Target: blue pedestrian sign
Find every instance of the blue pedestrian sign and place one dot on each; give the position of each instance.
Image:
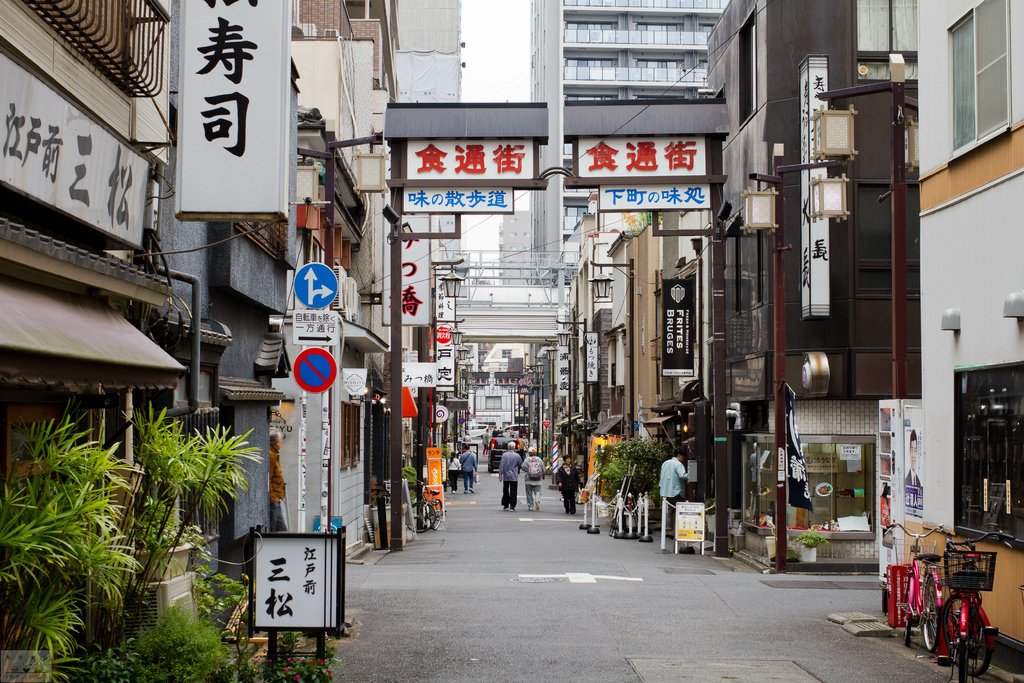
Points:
(316, 285)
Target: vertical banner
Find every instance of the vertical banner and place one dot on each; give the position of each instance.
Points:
(234, 110)
(563, 372)
(416, 304)
(303, 448)
(325, 464)
(444, 305)
(678, 304)
(436, 472)
(590, 342)
(814, 234)
(799, 487)
(444, 356)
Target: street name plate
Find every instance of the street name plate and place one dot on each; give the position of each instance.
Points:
(316, 328)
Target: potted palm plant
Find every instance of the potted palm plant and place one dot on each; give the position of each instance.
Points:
(809, 542)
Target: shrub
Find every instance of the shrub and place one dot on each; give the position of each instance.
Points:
(297, 670)
(111, 665)
(811, 539)
(179, 648)
(646, 457)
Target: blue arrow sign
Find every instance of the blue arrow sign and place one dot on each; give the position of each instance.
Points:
(316, 285)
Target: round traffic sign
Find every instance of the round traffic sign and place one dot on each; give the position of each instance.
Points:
(316, 285)
(315, 370)
(444, 334)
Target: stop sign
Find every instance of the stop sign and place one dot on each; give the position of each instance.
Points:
(546, 424)
(444, 335)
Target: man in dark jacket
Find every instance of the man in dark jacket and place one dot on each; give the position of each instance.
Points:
(508, 473)
(568, 480)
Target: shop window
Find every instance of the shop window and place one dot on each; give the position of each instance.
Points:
(748, 69)
(874, 240)
(350, 430)
(989, 457)
(841, 475)
(492, 402)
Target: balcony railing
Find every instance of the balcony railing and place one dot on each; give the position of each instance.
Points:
(634, 74)
(124, 39)
(270, 237)
(649, 4)
(622, 37)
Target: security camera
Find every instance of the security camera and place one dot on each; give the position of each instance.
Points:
(390, 215)
(725, 211)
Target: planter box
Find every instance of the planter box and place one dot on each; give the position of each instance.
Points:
(172, 565)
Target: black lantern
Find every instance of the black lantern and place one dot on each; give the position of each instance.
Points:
(602, 285)
(563, 338)
(452, 285)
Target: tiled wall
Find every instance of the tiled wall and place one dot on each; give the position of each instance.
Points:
(835, 418)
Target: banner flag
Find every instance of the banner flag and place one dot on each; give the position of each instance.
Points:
(799, 487)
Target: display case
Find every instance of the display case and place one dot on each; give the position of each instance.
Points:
(840, 471)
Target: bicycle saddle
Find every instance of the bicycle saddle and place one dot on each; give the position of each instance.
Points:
(930, 558)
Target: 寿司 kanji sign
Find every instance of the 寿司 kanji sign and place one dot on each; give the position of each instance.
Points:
(473, 160)
(641, 157)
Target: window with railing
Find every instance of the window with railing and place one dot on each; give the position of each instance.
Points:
(649, 4)
(270, 237)
(124, 39)
(698, 39)
(633, 74)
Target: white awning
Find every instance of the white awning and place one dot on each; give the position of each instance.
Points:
(362, 339)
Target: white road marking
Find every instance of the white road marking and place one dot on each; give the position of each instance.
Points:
(531, 519)
(578, 577)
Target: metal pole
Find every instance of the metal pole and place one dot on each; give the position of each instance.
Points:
(898, 210)
(632, 349)
(779, 373)
(717, 370)
(397, 535)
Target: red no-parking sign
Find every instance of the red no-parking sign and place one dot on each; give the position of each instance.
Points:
(315, 370)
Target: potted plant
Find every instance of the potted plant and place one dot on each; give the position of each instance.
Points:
(809, 542)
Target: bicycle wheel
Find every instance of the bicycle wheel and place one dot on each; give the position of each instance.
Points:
(930, 614)
(912, 616)
(976, 656)
(422, 513)
(435, 516)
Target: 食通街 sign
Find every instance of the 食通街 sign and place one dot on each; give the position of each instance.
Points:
(679, 325)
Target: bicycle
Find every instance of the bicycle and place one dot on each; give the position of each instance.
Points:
(429, 510)
(970, 637)
(923, 599)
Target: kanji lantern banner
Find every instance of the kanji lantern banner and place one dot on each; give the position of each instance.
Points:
(449, 200)
(416, 302)
(626, 198)
(470, 160)
(444, 354)
(563, 371)
(652, 157)
(234, 110)
(815, 295)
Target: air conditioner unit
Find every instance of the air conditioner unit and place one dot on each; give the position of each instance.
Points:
(351, 298)
(339, 299)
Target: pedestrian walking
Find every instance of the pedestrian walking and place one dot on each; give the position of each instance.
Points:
(672, 485)
(454, 472)
(468, 462)
(278, 517)
(568, 480)
(508, 473)
(534, 468)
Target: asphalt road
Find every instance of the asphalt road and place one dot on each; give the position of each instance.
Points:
(455, 606)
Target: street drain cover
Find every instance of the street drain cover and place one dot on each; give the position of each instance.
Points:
(705, 671)
(536, 579)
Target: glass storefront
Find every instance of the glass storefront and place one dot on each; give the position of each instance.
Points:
(841, 472)
(989, 462)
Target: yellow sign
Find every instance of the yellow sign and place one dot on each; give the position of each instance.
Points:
(605, 441)
(433, 454)
(435, 472)
(689, 521)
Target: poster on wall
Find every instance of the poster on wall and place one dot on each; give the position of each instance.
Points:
(913, 489)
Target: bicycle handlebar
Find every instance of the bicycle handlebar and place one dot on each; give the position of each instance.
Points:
(997, 535)
(908, 532)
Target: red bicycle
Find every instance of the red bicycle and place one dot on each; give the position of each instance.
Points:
(970, 637)
(923, 598)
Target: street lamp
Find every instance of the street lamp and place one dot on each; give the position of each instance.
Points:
(778, 307)
(456, 337)
(832, 134)
(564, 338)
(452, 285)
(828, 197)
(602, 285)
(463, 353)
(759, 210)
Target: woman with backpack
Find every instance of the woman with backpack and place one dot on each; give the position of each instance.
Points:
(534, 468)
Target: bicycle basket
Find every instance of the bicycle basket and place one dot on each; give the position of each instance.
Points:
(969, 570)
